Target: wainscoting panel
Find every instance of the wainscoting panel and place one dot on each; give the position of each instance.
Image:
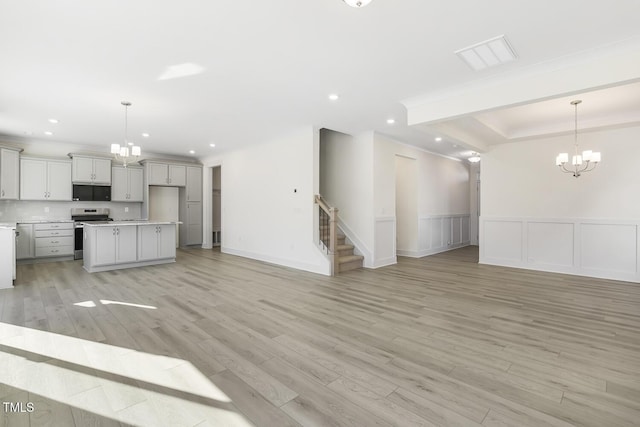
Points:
(502, 240)
(440, 233)
(609, 247)
(597, 248)
(385, 241)
(550, 243)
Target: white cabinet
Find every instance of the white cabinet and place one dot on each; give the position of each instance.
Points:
(91, 170)
(113, 245)
(127, 185)
(9, 174)
(25, 248)
(53, 239)
(167, 174)
(42, 179)
(194, 224)
(7, 257)
(194, 184)
(156, 242)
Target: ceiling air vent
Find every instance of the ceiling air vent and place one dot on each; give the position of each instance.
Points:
(488, 53)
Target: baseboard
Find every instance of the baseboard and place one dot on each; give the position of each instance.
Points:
(312, 268)
(427, 252)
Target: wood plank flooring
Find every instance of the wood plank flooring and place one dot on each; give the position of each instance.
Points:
(216, 339)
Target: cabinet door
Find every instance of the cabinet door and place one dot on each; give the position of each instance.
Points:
(167, 241)
(59, 180)
(119, 185)
(82, 170)
(9, 166)
(194, 224)
(24, 241)
(135, 185)
(194, 184)
(104, 250)
(177, 175)
(148, 242)
(158, 174)
(33, 179)
(102, 171)
(126, 248)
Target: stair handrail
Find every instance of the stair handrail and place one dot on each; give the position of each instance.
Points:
(328, 230)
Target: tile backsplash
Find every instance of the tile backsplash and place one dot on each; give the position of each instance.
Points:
(20, 210)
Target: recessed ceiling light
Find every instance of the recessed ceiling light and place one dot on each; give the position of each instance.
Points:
(48, 133)
(212, 145)
(192, 152)
(334, 97)
(145, 135)
(390, 121)
(438, 139)
(54, 121)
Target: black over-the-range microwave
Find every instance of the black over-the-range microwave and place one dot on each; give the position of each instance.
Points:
(92, 193)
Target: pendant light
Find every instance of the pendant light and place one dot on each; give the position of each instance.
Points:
(123, 153)
(585, 162)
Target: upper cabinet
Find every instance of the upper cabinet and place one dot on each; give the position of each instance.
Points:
(91, 170)
(167, 174)
(194, 184)
(9, 174)
(127, 184)
(43, 179)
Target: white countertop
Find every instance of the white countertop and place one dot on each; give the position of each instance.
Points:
(41, 221)
(9, 225)
(129, 222)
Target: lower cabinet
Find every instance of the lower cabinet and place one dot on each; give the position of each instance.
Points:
(25, 245)
(116, 245)
(156, 241)
(111, 247)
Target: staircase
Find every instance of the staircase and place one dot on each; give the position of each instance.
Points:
(347, 260)
(340, 253)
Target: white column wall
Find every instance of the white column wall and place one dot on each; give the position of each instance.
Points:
(268, 211)
(533, 216)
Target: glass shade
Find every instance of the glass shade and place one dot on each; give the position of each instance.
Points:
(595, 157)
(135, 150)
(562, 158)
(115, 148)
(124, 152)
(576, 160)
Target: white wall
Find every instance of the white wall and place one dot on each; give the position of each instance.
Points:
(474, 201)
(268, 211)
(346, 182)
(534, 216)
(443, 199)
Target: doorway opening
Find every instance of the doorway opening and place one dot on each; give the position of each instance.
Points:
(406, 205)
(216, 206)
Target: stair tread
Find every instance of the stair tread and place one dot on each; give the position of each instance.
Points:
(344, 247)
(349, 258)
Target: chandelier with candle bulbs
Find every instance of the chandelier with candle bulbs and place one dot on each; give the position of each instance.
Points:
(126, 152)
(585, 162)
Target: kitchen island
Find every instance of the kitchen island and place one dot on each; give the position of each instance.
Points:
(126, 244)
(7, 254)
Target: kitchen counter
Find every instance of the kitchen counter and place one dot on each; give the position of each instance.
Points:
(42, 221)
(9, 225)
(115, 245)
(128, 222)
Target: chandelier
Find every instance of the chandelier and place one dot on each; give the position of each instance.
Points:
(579, 163)
(123, 153)
(357, 3)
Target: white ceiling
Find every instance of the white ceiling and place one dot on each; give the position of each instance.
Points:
(269, 65)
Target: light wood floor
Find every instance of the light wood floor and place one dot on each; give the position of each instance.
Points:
(221, 340)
